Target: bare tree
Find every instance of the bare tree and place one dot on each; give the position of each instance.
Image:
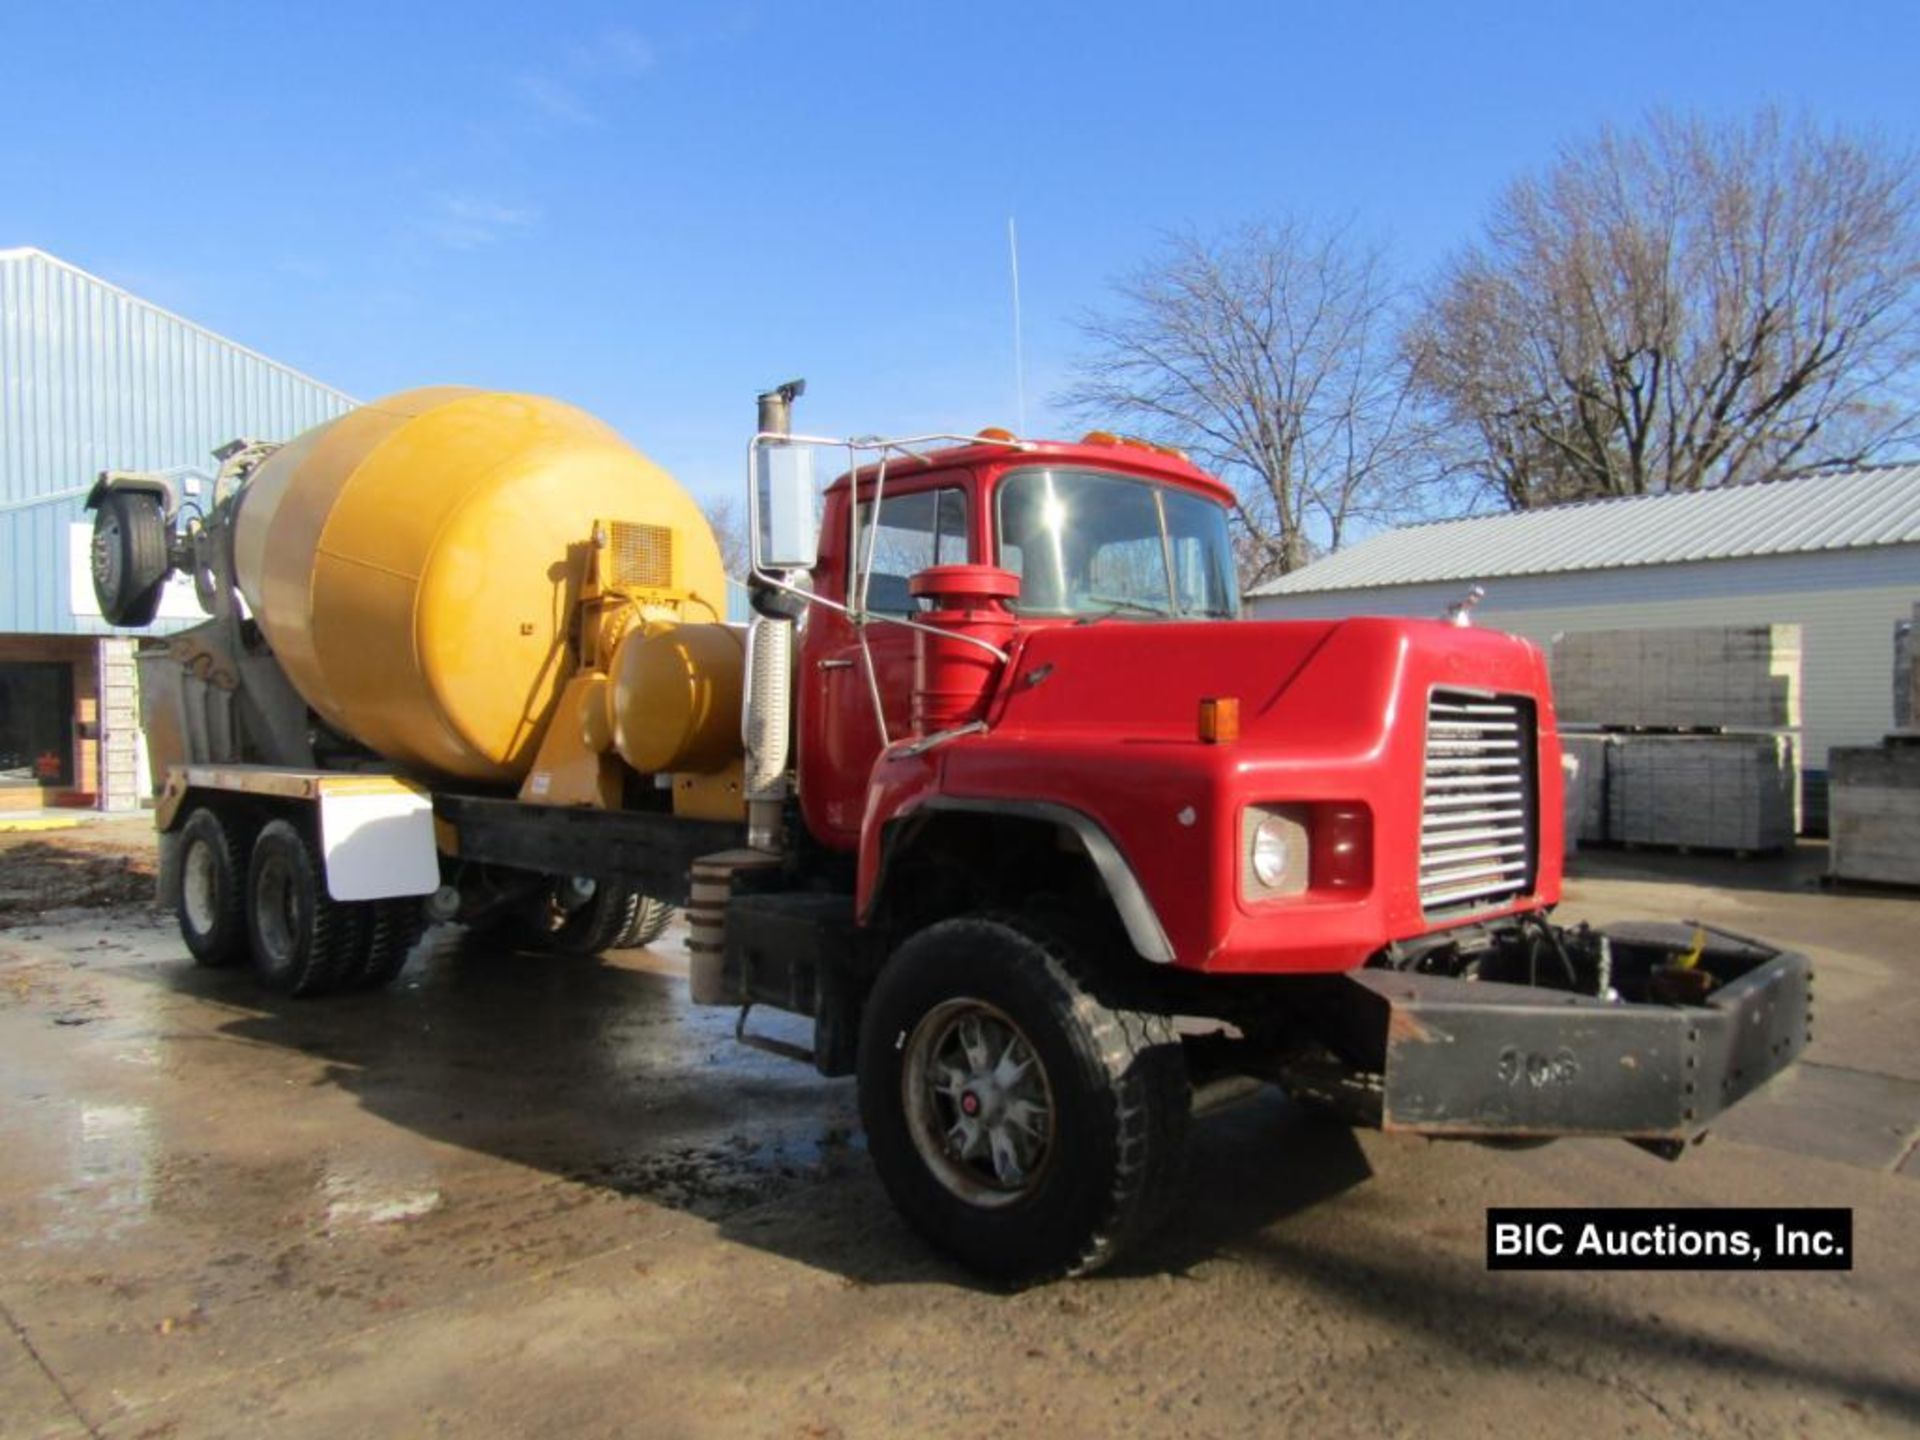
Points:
(1689, 305)
(1271, 355)
(730, 530)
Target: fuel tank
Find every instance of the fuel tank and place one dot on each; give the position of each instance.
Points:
(417, 564)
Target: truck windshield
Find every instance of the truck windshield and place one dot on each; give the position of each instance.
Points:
(1091, 544)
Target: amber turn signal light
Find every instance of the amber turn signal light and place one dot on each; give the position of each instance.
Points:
(1220, 719)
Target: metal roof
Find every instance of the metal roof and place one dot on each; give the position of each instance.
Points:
(1845, 510)
(94, 378)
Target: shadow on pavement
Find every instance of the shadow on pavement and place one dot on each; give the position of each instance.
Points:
(602, 1073)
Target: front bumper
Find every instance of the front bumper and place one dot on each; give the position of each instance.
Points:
(1485, 1060)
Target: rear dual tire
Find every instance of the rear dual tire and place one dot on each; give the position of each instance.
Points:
(651, 918)
(303, 941)
(262, 897)
(210, 889)
(612, 917)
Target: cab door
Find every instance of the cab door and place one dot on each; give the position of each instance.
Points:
(840, 726)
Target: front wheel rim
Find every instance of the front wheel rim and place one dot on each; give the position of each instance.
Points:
(979, 1103)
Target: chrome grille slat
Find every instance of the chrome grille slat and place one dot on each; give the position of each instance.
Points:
(1480, 852)
(1472, 894)
(1477, 835)
(1480, 835)
(1444, 802)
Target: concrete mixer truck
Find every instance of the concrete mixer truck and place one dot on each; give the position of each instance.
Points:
(997, 789)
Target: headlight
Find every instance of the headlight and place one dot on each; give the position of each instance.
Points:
(1270, 854)
(1274, 851)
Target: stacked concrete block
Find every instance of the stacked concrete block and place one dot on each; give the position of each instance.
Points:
(1904, 708)
(1587, 785)
(120, 739)
(1873, 808)
(1711, 792)
(1569, 805)
(1736, 677)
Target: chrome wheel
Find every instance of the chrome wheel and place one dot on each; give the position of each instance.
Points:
(978, 1102)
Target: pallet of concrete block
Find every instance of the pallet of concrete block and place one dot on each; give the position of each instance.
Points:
(1873, 813)
(1701, 792)
(1569, 805)
(1586, 785)
(1903, 677)
(1730, 677)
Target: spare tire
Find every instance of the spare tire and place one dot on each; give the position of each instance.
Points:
(129, 556)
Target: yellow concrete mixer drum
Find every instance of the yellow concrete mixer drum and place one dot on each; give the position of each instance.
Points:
(416, 565)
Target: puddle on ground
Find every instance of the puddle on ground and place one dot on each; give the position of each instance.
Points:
(353, 1200)
(111, 1185)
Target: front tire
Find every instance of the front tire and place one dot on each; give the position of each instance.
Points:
(1018, 1122)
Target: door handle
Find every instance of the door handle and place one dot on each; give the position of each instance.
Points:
(836, 664)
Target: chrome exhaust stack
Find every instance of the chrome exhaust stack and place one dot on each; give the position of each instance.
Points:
(767, 724)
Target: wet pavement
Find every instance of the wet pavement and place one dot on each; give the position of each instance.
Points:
(529, 1195)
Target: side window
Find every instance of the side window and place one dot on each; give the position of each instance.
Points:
(915, 532)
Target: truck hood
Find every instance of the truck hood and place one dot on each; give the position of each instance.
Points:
(1146, 681)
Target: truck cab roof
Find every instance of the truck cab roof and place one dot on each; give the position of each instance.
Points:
(1098, 451)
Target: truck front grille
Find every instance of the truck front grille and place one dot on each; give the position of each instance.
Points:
(1477, 831)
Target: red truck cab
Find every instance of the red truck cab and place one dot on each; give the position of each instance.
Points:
(1124, 651)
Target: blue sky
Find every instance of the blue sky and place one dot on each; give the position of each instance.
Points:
(654, 211)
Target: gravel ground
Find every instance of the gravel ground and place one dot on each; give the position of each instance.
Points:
(83, 864)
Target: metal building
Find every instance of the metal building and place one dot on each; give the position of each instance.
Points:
(93, 378)
(1837, 554)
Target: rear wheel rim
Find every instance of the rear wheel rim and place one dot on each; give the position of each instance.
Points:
(979, 1103)
(277, 902)
(199, 887)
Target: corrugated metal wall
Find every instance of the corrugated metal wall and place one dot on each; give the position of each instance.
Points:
(1846, 602)
(92, 378)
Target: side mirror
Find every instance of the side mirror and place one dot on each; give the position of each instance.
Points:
(786, 532)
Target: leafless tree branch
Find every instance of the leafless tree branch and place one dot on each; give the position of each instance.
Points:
(1687, 305)
(1270, 353)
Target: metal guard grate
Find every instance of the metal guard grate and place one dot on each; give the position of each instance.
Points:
(640, 556)
(1478, 836)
